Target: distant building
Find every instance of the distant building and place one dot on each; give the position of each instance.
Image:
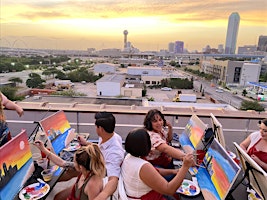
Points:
(250, 73)
(171, 47)
(110, 53)
(144, 71)
(179, 47)
(247, 49)
(7, 84)
(232, 32)
(110, 85)
(262, 43)
(104, 68)
(220, 48)
(232, 72)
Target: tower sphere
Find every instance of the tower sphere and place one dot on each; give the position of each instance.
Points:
(125, 32)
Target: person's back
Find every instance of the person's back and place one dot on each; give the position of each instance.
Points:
(134, 186)
(141, 179)
(110, 144)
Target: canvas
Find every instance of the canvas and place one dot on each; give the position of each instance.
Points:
(219, 174)
(191, 137)
(16, 165)
(58, 130)
(217, 129)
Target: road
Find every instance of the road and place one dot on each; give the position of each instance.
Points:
(224, 97)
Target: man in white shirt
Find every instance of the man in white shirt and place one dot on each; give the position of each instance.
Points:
(110, 144)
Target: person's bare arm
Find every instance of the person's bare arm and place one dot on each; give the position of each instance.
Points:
(109, 188)
(245, 143)
(166, 172)
(53, 157)
(170, 133)
(82, 141)
(150, 176)
(259, 162)
(13, 106)
(171, 151)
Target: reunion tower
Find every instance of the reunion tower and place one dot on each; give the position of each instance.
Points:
(125, 33)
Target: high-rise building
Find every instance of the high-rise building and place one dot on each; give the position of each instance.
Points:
(232, 32)
(262, 43)
(220, 48)
(179, 47)
(171, 47)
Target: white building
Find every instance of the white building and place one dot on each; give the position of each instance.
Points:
(104, 68)
(110, 85)
(250, 72)
(145, 71)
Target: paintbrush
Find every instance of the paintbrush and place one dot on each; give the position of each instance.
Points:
(200, 166)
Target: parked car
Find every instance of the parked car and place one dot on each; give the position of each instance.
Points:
(166, 89)
(219, 90)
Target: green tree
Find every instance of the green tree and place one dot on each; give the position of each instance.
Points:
(9, 92)
(244, 92)
(35, 81)
(16, 80)
(251, 105)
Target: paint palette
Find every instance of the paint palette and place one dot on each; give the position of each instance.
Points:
(188, 188)
(73, 146)
(34, 191)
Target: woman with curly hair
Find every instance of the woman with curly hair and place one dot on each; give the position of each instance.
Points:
(161, 153)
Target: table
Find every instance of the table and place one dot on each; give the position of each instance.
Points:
(37, 174)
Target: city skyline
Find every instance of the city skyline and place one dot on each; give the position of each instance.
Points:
(151, 25)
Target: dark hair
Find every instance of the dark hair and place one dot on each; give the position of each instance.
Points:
(138, 142)
(264, 121)
(150, 116)
(106, 120)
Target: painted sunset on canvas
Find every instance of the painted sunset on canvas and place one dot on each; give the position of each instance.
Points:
(221, 172)
(15, 164)
(57, 122)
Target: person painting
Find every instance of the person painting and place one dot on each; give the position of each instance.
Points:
(5, 134)
(161, 153)
(256, 145)
(140, 178)
(90, 164)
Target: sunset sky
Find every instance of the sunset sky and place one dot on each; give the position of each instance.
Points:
(152, 24)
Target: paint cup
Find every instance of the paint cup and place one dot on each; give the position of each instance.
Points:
(42, 162)
(47, 174)
(36, 156)
(200, 156)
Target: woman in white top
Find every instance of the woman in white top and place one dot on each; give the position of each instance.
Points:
(141, 179)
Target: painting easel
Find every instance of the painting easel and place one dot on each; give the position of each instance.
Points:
(249, 169)
(256, 176)
(218, 172)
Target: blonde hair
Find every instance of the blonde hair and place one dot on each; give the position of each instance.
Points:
(92, 159)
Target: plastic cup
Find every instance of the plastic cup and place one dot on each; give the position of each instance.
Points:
(36, 156)
(200, 156)
(47, 174)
